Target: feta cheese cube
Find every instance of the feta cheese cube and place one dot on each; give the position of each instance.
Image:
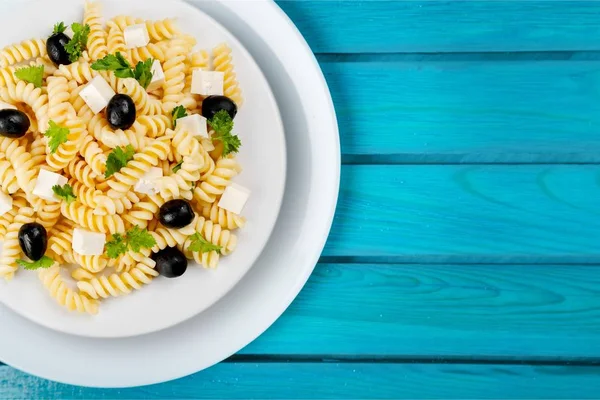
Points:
(6, 203)
(69, 32)
(96, 94)
(7, 106)
(148, 182)
(207, 83)
(194, 124)
(158, 76)
(136, 36)
(43, 186)
(234, 198)
(88, 243)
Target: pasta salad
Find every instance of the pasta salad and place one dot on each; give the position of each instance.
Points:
(117, 154)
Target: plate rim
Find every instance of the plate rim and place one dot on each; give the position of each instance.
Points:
(45, 367)
(282, 156)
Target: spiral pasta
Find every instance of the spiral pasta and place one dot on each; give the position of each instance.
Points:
(222, 61)
(11, 251)
(92, 16)
(215, 183)
(23, 51)
(226, 219)
(65, 296)
(99, 195)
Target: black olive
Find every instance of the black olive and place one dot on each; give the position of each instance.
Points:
(213, 104)
(33, 240)
(120, 112)
(176, 214)
(55, 46)
(170, 262)
(13, 123)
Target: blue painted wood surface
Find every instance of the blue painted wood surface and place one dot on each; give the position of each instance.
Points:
(463, 260)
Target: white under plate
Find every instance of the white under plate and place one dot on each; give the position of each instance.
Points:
(279, 273)
(166, 302)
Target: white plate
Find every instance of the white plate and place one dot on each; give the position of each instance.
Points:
(280, 272)
(167, 302)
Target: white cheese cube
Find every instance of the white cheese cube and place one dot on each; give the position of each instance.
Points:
(234, 198)
(88, 243)
(148, 182)
(207, 83)
(69, 32)
(43, 186)
(7, 106)
(158, 76)
(6, 203)
(136, 36)
(194, 124)
(96, 94)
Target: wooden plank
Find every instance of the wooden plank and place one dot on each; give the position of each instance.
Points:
(352, 26)
(478, 112)
(510, 213)
(297, 381)
(508, 312)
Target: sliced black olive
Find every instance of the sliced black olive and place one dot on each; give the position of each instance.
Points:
(33, 240)
(176, 214)
(170, 262)
(55, 46)
(120, 112)
(13, 123)
(213, 104)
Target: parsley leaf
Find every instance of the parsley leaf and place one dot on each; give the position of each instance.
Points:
(59, 27)
(114, 62)
(57, 134)
(134, 240)
(143, 72)
(222, 124)
(116, 246)
(66, 192)
(202, 245)
(78, 43)
(138, 238)
(33, 74)
(44, 262)
(178, 166)
(178, 112)
(122, 69)
(117, 159)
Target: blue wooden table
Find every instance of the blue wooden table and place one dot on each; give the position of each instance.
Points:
(464, 258)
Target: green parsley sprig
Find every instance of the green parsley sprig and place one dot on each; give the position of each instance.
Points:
(177, 167)
(33, 74)
(42, 263)
(78, 42)
(222, 124)
(59, 27)
(122, 69)
(117, 159)
(199, 243)
(65, 192)
(57, 135)
(178, 112)
(134, 240)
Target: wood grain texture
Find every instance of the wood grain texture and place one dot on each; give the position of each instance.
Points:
(497, 312)
(347, 381)
(451, 213)
(353, 26)
(477, 112)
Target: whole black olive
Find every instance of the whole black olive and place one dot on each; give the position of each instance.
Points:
(33, 240)
(170, 262)
(176, 214)
(13, 123)
(213, 104)
(55, 46)
(120, 112)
